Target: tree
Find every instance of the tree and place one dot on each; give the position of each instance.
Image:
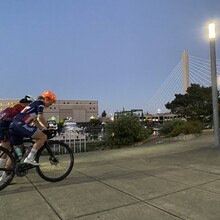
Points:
(196, 104)
(104, 114)
(95, 121)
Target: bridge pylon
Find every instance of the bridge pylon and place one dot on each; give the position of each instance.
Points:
(185, 65)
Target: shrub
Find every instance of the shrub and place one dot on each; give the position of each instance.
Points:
(95, 145)
(168, 127)
(178, 127)
(125, 130)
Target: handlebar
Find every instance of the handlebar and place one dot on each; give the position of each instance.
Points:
(51, 133)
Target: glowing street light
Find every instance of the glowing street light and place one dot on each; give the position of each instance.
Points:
(212, 30)
(214, 83)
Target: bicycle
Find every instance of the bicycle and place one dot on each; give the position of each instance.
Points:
(55, 157)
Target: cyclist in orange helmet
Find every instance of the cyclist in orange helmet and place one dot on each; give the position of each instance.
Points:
(30, 123)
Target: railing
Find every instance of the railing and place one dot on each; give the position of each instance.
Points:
(76, 141)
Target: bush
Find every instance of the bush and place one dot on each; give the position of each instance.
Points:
(125, 130)
(168, 127)
(178, 127)
(95, 145)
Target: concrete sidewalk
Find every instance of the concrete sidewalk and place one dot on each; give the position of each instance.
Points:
(168, 181)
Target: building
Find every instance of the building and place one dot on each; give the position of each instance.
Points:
(154, 119)
(137, 112)
(160, 118)
(78, 110)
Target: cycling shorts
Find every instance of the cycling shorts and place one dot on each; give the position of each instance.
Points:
(19, 129)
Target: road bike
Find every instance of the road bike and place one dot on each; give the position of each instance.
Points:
(55, 157)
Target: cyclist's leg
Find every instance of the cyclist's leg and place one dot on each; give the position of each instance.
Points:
(26, 130)
(3, 158)
(4, 137)
(4, 133)
(8, 173)
(5, 161)
(39, 138)
(5, 143)
(2, 162)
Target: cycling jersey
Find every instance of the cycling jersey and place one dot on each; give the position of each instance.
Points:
(6, 117)
(9, 113)
(30, 112)
(21, 125)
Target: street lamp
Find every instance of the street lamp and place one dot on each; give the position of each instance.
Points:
(214, 83)
(212, 31)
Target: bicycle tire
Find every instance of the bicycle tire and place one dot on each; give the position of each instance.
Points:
(50, 171)
(11, 171)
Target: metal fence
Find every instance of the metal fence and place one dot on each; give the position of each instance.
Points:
(76, 141)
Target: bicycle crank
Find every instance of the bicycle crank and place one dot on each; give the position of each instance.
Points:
(22, 169)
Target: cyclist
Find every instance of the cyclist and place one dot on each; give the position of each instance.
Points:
(30, 123)
(6, 117)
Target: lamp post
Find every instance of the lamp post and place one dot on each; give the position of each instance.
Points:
(214, 84)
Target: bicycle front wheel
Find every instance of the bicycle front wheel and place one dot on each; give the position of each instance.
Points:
(7, 167)
(56, 161)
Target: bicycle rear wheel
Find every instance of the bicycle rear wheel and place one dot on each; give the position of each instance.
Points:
(56, 161)
(10, 171)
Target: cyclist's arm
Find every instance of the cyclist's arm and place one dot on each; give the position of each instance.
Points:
(38, 124)
(41, 121)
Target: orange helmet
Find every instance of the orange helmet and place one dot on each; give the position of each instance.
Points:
(50, 95)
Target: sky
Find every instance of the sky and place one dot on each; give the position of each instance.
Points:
(118, 52)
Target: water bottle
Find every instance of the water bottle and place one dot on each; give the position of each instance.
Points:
(18, 152)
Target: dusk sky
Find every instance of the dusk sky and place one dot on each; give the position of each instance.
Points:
(118, 52)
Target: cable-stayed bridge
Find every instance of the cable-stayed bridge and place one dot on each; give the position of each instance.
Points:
(199, 72)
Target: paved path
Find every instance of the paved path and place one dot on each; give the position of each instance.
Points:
(168, 181)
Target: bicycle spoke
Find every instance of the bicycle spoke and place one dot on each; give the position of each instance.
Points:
(58, 166)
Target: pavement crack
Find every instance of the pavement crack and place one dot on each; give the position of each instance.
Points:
(137, 199)
(44, 198)
(104, 210)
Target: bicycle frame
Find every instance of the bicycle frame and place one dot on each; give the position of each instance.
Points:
(50, 152)
(54, 165)
(21, 168)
